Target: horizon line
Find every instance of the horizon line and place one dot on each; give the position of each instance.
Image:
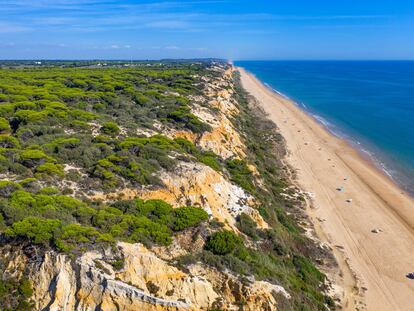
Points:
(200, 58)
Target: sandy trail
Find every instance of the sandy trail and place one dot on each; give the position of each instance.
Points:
(373, 264)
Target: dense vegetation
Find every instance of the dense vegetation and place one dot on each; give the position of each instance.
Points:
(67, 223)
(15, 294)
(90, 117)
(69, 132)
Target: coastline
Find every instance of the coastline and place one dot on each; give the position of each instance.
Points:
(365, 153)
(372, 236)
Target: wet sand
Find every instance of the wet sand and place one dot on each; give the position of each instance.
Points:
(357, 210)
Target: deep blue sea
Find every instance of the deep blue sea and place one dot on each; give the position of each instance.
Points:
(369, 103)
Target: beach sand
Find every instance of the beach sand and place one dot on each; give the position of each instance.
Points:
(369, 223)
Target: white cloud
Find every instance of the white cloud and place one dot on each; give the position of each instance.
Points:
(11, 28)
(172, 47)
(168, 24)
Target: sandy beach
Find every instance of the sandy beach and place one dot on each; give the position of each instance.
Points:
(358, 211)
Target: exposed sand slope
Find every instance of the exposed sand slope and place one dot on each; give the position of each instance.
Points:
(379, 260)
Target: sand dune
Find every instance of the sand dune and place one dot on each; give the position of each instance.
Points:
(366, 219)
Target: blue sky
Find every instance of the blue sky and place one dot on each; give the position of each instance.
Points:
(272, 29)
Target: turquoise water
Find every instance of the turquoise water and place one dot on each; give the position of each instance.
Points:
(369, 103)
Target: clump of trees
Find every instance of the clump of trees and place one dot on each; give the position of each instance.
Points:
(129, 96)
(49, 218)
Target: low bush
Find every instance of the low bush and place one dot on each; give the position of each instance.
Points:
(240, 174)
(15, 294)
(38, 230)
(247, 225)
(50, 169)
(188, 216)
(4, 126)
(182, 115)
(110, 128)
(206, 157)
(9, 142)
(7, 188)
(223, 242)
(31, 158)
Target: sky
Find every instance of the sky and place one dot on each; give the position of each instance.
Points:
(229, 29)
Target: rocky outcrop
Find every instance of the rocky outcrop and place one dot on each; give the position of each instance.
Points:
(145, 282)
(223, 139)
(198, 185)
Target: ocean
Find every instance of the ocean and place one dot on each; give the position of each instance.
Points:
(368, 103)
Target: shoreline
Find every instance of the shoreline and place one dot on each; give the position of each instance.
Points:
(369, 223)
(364, 153)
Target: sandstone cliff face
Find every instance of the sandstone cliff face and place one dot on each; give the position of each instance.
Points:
(146, 282)
(198, 185)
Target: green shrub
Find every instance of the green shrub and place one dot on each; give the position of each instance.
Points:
(157, 210)
(81, 115)
(188, 216)
(6, 109)
(15, 294)
(70, 142)
(247, 225)
(38, 230)
(118, 264)
(33, 155)
(182, 115)
(110, 128)
(146, 231)
(210, 159)
(240, 174)
(160, 141)
(7, 188)
(30, 116)
(223, 242)
(49, 191)
(74, 234)
(27, 182)
(50, 169)
(25, 288)
(25, 105)
(9, 142)
(308, 272)
(81, 125)
(4, 126)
